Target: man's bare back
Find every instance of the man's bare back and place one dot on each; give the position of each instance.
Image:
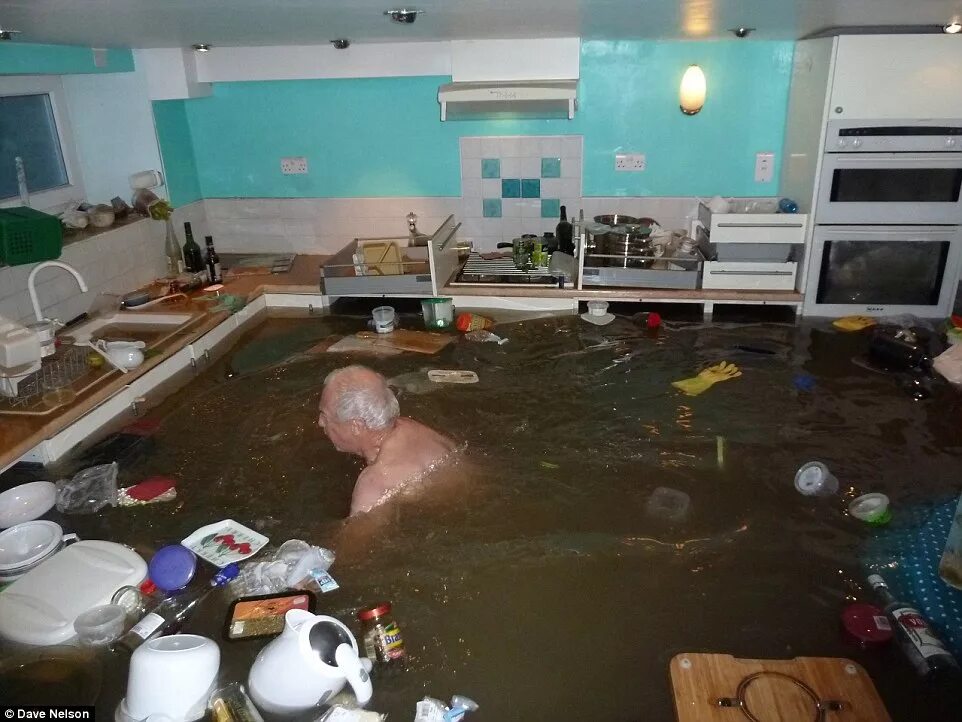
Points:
(410, 451)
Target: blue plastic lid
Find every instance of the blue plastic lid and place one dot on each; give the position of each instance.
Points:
(172, 567)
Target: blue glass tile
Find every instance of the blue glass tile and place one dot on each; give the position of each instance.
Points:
(551, 167)
(510, 188)
(550, 208)
(531, 188)
(491, 207)
(491, 168)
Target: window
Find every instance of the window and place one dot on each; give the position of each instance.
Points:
(33, 127)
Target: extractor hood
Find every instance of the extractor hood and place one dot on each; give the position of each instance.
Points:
(508, 99)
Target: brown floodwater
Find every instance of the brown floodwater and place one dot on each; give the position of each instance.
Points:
(538, 585)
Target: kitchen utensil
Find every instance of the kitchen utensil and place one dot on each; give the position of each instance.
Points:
(26, 545)
(625, 241)
(383, 319)
(100, 625)
(437, 312)
(452, 376)
(225, 542)
(122, 354)
(310, 662)
(134, 299)
(36, 610)
(171, 676)
(26, 502)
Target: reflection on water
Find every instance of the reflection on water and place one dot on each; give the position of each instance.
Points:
(538, 586)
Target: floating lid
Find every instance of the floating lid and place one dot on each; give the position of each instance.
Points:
(23, 545)
(866, 625)
(172, 567)
(41, 606)
(871, 508)
(374, 612)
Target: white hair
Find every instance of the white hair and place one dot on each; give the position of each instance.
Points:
(373, 404)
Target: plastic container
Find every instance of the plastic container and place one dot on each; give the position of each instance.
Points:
(871, 508)
(100, 625)
(28, 236)
(866, 625)
(814, 479)
(383, 319)
(437, 312)
(172, 567)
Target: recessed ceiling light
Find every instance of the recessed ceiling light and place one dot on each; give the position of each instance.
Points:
(741, 31)
(7, 34)
(952, 28)
(405, 16)
(201, 47)
(341, 43)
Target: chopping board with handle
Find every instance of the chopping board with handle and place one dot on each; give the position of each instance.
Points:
(407, 340)
(719, 687)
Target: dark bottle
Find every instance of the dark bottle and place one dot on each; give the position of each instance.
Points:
(193, 260)
(564, 232)
(213, 262)
(925, 651)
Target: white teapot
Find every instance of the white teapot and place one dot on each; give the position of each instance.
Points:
(310, 662)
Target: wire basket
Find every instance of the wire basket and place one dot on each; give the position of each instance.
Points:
(57, 372)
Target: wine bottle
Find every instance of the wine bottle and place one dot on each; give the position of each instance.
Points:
(171, 612)
(175, 259)
(923, 648)
(564, 233)
(193, 260)
(213, 262)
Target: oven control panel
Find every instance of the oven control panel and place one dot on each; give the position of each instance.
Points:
(918, 136)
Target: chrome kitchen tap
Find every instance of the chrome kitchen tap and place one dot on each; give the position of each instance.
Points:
(32, 283)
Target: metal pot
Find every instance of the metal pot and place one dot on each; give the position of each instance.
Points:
(629, 236)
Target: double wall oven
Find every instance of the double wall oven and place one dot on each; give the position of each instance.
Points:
(888, 217)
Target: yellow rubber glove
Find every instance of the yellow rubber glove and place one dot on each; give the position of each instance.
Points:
(708, 378)
(853, 323)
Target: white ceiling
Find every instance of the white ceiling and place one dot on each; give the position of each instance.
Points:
(167, 23)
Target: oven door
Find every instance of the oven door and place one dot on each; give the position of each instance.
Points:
(882, 271)
(890, 188)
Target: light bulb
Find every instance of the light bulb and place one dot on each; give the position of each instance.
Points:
(691, 94)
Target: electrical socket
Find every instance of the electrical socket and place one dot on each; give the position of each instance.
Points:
(630, 162)
(764, 167)
(294, 165)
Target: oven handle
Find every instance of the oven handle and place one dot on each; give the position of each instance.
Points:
(935, 160)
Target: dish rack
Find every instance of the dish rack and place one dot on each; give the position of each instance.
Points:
(51, 386)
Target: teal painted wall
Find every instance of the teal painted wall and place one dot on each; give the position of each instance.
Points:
(177, 150)
(383, 136)
(18, 58)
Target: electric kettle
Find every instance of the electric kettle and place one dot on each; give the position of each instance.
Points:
(310, 662)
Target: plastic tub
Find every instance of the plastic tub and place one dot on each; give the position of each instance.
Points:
(437, 312)
(383, 319)
(814, 479)
(871, 508)
(100, 625)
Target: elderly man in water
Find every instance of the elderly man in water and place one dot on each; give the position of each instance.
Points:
(360, 415)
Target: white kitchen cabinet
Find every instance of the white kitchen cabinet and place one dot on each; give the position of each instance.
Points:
(203, 349)
(160, 381)
(758, 227)
(749, 275)
(881, 77)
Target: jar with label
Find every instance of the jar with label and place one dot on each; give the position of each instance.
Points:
(380, 634)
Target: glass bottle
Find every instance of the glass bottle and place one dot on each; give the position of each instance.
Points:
(213, 262)
(193, 259)
(175, 260)
(564, 231)
(171, 612)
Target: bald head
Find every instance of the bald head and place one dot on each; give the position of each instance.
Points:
(356, 393)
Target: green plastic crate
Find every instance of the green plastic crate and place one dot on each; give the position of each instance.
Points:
(28, 236)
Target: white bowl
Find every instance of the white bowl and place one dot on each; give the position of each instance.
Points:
(24, 545)
(172, 676)
(26, 502)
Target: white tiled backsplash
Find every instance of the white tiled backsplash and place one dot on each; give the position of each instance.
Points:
(115, 261)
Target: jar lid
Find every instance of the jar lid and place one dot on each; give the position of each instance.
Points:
(866, 625)
(374, 612)
(172, 567)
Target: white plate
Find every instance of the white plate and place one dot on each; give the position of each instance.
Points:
(210, 544)
(26, 502)
(26, 544)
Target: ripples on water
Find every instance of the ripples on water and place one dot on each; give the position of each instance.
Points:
(537, 585)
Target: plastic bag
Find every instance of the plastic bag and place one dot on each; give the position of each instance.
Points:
(89, 490)
(296, 564)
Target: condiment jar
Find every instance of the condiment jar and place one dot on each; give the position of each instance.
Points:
(380, 634)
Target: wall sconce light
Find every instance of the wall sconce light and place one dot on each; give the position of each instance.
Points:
(691, 94)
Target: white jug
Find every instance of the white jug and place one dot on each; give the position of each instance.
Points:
(310, 662)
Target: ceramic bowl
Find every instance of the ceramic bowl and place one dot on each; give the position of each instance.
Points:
(25, 545)
(26, 502)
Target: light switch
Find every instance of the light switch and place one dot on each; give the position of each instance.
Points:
(764, 167)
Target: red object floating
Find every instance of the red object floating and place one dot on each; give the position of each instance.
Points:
(866, 625)
(141, 427)
(150, 488)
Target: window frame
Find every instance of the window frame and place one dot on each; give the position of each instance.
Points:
(54, 199)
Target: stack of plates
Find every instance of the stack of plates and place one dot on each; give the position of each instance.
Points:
(25, 546)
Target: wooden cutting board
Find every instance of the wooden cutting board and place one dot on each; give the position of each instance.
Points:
(405, 340)
(700, 680)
